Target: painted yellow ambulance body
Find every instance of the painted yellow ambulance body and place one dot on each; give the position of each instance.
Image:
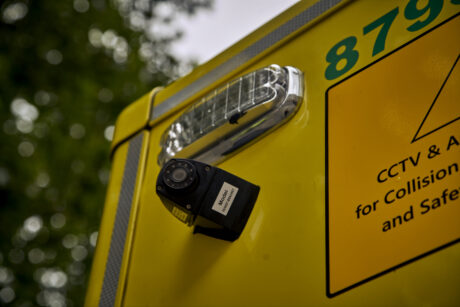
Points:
(359, 202)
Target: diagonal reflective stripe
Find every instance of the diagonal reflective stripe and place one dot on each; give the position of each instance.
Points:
(245, 55)
(120, 227)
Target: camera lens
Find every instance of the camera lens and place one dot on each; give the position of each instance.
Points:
(179, 175)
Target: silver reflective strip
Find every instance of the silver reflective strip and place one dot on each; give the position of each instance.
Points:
(245, 55)
(120, 227)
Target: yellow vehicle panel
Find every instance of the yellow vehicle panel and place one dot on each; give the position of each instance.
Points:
(297, 230)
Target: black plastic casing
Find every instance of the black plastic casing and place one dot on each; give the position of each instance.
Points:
(192, 196)
(241, 207)
(199, 199)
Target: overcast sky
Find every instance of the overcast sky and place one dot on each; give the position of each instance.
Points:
(208, 33)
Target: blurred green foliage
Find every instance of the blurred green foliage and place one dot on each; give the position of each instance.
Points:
(67, 68)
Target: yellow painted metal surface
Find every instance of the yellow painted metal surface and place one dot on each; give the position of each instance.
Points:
(401, 199)
(98, 270)
(108, 217)
(280, 258)
(133, 118)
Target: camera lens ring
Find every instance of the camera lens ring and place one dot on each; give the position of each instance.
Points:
(179, 174)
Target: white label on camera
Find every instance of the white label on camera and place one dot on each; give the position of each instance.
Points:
(225, 198)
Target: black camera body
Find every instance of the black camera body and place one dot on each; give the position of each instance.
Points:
(215, 201)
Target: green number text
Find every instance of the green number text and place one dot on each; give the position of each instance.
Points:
(385, 21)
(348, 54)
(411, 12)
